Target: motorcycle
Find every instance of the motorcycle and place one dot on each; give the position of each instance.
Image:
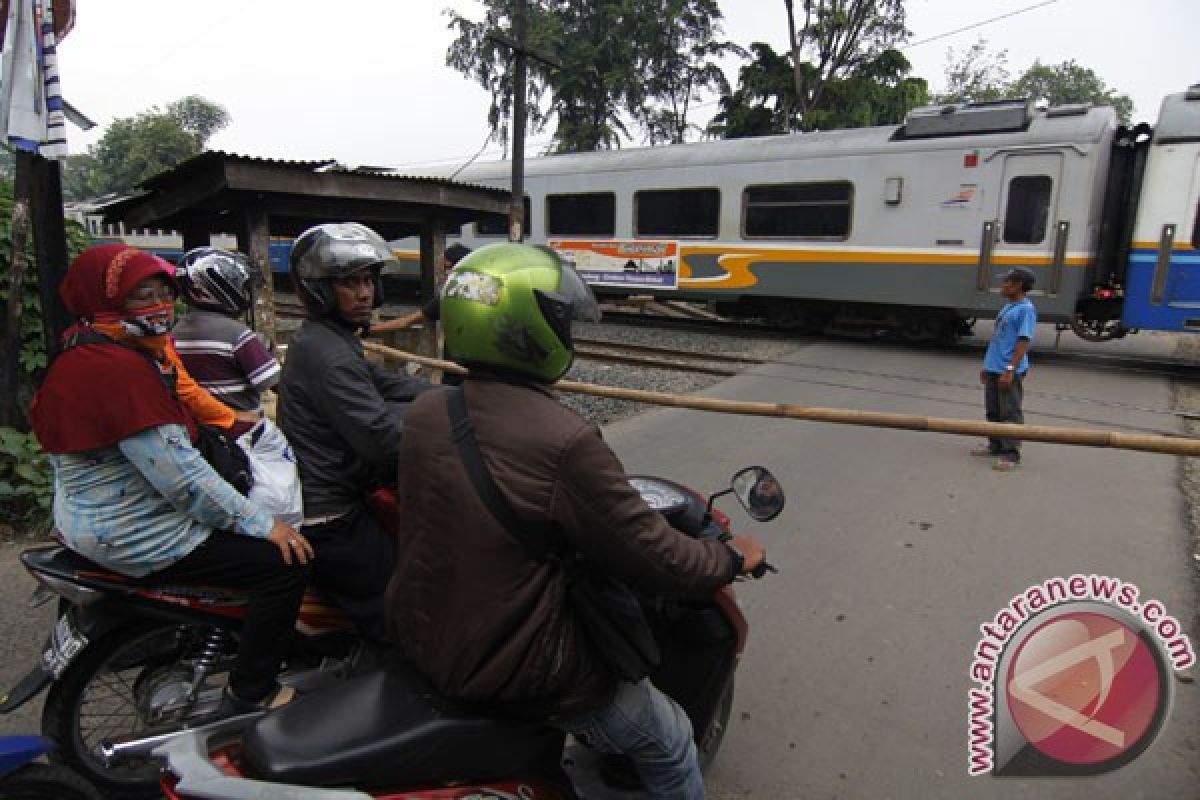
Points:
(130, 659)
(390, 737)
(22, 777)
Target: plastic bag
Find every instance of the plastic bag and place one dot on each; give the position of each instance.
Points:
(276, 477)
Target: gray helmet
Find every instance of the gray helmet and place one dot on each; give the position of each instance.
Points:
(333, 250)
(218, 280)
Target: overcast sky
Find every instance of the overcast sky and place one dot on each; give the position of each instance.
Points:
(365, 81)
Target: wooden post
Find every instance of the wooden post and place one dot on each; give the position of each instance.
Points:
(50, 247)
(254, 239)
(196, 235)
(433, 275)
(10, 398)
(516, 210)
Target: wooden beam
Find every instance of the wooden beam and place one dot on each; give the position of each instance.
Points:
(196, 234)
(1081, 437)
(144, 211)
(433, 275)
(254, 239)
(50, 248)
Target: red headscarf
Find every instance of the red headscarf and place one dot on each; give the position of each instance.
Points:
(95, 395)
(102, 277)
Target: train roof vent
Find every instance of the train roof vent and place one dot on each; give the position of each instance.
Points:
(1193, 92)
(959, 119)
(1069, 110)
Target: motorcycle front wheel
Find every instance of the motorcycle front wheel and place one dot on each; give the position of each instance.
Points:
(130, 682)
(46, 782)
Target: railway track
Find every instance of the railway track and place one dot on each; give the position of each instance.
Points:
(667, 358)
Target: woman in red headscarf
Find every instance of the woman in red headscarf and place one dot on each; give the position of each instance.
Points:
(132, 493)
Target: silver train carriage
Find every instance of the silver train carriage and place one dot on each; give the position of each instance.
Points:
(903, 227)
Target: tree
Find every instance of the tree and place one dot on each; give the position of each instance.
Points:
(1069, 82)
(878, 92)
(199, 117)
(678, 59)
(837, 40)
(134, 148)
(645, 59)
(764, 101)
(980, 75)
(977, 75)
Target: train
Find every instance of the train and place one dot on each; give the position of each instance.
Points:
(903, 228)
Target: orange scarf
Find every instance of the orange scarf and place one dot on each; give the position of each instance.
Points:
(204, 407)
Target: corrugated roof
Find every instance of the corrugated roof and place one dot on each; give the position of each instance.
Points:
(186, 168)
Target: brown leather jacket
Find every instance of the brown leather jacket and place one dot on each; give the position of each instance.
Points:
(470, 609)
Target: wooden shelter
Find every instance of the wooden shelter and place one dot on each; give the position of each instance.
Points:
(257, 198)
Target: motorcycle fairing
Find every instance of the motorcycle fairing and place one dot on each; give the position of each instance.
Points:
(17, 751)
(383, 730)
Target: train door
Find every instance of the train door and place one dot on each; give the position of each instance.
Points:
(1181, 287)
(1028, 232)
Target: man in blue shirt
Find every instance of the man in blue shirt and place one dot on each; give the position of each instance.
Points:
(1005, 365)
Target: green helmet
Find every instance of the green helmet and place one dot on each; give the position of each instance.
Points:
(509, 306)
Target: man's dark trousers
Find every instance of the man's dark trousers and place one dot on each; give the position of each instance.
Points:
(1003, 404)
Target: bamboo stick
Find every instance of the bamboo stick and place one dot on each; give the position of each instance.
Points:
(1084, 437)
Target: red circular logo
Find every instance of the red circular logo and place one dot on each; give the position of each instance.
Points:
(1084, 688)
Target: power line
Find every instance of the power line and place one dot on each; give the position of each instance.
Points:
(975, 25)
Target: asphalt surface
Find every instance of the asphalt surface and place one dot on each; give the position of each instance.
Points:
(894, 548)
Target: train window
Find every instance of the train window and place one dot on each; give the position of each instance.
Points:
(798, 210)
(497, 224)
(581, 214)
(676, 212)
(1196, 228)
(1028, 209)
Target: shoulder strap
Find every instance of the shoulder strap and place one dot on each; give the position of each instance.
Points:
(463, 434)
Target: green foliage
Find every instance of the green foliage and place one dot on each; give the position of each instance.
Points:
(648, 59)
(839, 41)
(1069, 82)
(878, 92)
(980, 75)
(25, 482)
(135, 148)
(677, 54)
(975, 75)
(26, 479)
(765, 100)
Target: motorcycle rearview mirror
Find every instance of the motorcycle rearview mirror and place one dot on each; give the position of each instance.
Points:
(759, 493)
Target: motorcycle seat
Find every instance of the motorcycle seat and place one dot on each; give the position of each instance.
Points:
(66, 564)
(383, 730)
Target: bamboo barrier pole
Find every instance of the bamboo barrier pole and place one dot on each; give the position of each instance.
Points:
(1083, 437)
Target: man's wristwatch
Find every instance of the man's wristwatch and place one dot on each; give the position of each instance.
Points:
(1010, 368)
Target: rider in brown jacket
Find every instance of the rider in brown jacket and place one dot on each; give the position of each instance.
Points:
(471, 609)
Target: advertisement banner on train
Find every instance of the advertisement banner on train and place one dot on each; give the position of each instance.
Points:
(629, 264)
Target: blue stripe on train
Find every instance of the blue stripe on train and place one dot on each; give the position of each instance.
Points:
(1180, 306)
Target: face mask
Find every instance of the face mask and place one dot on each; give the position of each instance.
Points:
(150, 321)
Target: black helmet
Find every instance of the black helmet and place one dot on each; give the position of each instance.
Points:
(334, 250)
(218, 280)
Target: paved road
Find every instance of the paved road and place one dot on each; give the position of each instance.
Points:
(895, 546)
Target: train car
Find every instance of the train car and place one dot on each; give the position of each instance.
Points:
(1162, 277)
(902, 227)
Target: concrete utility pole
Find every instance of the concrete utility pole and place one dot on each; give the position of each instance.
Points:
(521, 50)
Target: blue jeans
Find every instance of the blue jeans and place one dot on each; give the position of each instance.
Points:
(650, 728)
